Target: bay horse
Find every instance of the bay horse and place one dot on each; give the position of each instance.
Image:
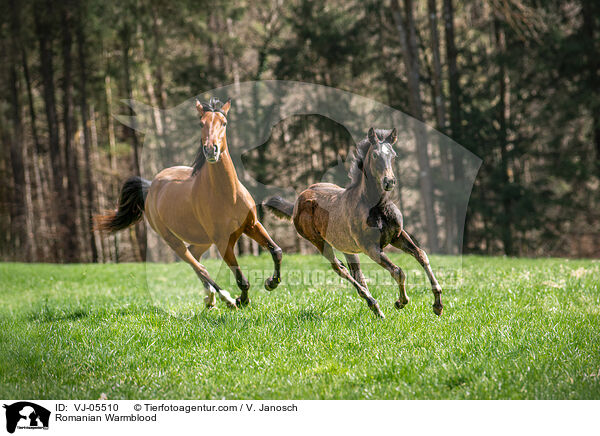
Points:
(359, 219)
(192, 208)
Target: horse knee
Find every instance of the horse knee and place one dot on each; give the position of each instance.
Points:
(356, 274)
(277, 254)
(339, 268)
(422, 256)
(243, 284)
(399, 275)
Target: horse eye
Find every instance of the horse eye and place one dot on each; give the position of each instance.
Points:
(201, 124)
(224, 123)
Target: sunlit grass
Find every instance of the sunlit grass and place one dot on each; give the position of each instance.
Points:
(513, 328)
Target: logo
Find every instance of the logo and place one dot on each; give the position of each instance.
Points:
(26, 415)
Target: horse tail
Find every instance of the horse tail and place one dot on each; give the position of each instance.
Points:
(280, 208)
(130, 208)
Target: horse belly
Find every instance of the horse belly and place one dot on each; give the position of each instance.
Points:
(330, 217)
(338, 233)
(170, 211)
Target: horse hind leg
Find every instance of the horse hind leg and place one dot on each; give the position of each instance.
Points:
(406, 244)
(340, 269)
(209, 284)
(354, 266)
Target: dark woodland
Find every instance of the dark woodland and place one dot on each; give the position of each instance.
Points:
(516, 82)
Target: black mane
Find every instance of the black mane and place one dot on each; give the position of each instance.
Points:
(362, 148)
(199, 161)
(213, 105)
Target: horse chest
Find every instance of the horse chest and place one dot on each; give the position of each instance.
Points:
(386, 219)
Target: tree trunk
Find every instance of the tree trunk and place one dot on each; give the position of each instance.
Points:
(83, 106)
(455, 113)
(112, 142)
(440, 117)
(38, 212)
(57, 198)
(502, 110)
(73, 251)
(406, 29)
(19, 211)
(126, 46)
(99, 185)
(126, 40)
(589, 15)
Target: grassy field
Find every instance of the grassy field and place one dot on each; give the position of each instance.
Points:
(514, 328)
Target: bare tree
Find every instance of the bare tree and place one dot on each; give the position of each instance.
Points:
(455, 108)
(45, 34)
(408, 38)
(502, 116)
(440, 117)
(73, 250)
(19, 211)
(83, 106)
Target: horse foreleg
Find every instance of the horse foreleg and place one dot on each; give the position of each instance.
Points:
(229, 257)
(361, 288)
(197, 251)
(377, 254)
(406, 244)
(260, 235)
(209, 284)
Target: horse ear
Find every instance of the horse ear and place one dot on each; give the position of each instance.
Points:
(225, 108)
(392, 137)
(199, 107)
(373, 139)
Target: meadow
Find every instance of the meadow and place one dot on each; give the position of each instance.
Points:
(511, 329)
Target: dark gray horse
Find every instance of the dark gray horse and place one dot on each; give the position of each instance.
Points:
(359, 219)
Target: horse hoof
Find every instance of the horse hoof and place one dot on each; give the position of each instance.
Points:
(377, 311)
(437, 309)
(399, 304)
(209, 302)
(272, 283)
(242, 303)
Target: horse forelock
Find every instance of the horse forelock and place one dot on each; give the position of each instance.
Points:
(213, 105)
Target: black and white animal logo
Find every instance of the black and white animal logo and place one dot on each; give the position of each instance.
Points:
(26, 415)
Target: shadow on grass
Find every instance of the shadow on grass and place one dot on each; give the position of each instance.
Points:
(247, 318)
(52, 315)
(243, 318)
(49, 314)
(309, 315)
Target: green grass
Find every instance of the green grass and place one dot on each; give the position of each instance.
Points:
(514, 328)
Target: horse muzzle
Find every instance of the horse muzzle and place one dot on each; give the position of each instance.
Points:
(212, 153)
(389, 183)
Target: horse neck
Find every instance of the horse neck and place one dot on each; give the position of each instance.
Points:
(222, 174)
(369, 192)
